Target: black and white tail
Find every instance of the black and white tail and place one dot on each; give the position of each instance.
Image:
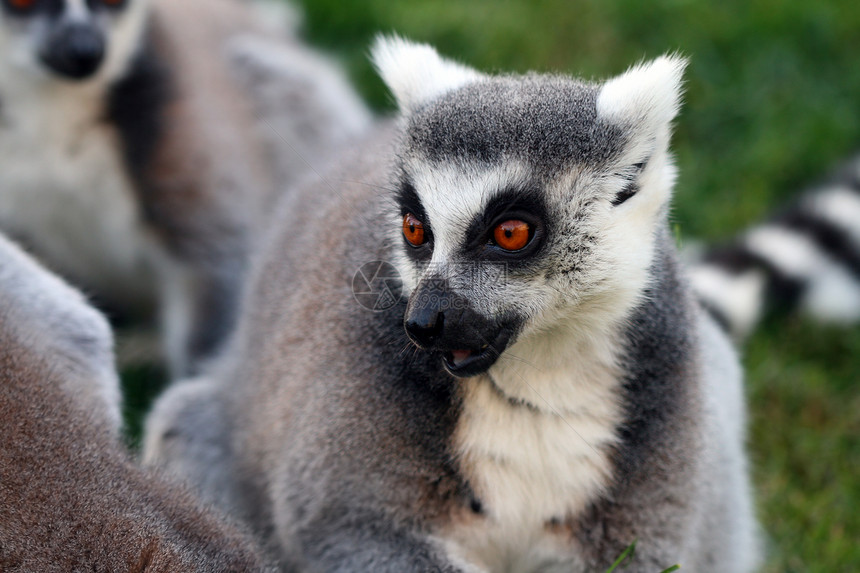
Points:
(806, 257)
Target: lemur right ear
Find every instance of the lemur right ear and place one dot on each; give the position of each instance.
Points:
(645, 99)
(415, 73)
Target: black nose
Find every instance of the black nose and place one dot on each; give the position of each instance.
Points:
(425, 325)
(75, 50)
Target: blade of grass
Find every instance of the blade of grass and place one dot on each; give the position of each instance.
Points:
(627, 553)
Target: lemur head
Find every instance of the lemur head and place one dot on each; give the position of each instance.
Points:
(526, 203)
(68, 39)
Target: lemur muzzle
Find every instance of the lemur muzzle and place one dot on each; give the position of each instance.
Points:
(75, 50)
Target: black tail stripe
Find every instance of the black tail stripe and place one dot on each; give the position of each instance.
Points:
(782, 290)
(832, 240)
(720, 317)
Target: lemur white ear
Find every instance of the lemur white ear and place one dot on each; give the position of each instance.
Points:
(645, 98)
(415, 73)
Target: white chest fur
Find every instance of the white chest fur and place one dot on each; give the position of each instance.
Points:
(63, 186)
(534, 441)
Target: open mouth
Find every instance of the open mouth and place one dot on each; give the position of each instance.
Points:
(464, 363)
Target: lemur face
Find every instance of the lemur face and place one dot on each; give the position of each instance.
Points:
(505, 193)
(466, 259)
(525, 204)
(66, 39)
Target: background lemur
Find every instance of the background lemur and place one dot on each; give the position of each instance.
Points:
(546, 392)
(70, 497)
(137, 148)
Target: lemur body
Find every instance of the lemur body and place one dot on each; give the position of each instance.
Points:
(550, 392)
(70, 496)
(146, 180)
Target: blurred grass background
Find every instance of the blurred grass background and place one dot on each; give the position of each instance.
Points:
(773, 102)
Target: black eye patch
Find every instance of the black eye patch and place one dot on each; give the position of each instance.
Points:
(512, 205)
(631, 187)
(96, 5)
(409, 203)
(27, 8)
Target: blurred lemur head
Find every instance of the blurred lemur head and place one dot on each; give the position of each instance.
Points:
(69, 40)
(527, 205)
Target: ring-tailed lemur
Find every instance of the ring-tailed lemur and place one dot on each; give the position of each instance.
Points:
(546, 392)
(805, 256)
(136, 148)
(70, 497)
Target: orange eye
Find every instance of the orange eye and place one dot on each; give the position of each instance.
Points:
(512, 235)
(413, 230)
(22, 4)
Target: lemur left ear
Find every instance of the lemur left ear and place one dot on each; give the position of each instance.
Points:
(415, 73)
(645, 99)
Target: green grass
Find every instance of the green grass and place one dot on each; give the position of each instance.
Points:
(142, 383)
(805, 409)
(628, 557)
(773, 101)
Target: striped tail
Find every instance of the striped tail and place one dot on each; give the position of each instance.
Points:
(806, 258)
